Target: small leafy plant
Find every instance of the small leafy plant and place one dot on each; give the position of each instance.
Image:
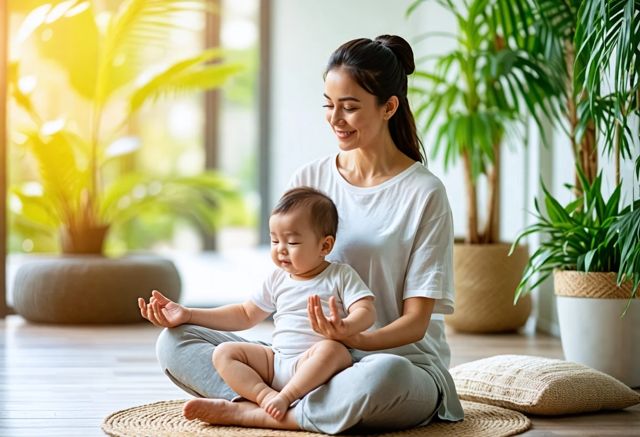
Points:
(590, 234)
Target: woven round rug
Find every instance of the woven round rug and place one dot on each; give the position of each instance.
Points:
(164, 419)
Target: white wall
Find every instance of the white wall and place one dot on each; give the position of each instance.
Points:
(305, 33)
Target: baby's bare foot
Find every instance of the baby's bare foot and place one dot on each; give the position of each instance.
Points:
(276, 406)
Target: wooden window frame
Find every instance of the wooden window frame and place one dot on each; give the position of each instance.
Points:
(4, 55)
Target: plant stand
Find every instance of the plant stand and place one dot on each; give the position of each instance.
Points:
(591, 328)
(91, 289)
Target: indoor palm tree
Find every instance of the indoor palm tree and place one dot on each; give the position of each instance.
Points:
(474, 100)
(474, 96)
(592, 244)
(602, 67)
(81, 190)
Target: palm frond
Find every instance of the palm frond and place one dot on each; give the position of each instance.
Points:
(191, 75)
(133, 27)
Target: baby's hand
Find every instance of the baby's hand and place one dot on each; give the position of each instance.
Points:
(163, 312)
(332, 327)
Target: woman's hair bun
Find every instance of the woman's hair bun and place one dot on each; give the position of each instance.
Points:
(401, 48)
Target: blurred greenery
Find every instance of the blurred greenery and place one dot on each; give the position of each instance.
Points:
(92, 70)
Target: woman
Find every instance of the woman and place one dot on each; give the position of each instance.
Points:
(396, 231)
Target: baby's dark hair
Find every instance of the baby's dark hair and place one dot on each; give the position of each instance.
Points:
(322, 211)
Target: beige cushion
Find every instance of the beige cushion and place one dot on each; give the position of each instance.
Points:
(539, 385)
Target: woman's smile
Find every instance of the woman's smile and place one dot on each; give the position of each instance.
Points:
(343, 134)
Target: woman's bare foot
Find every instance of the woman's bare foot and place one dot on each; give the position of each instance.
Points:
(215, 411)
(276, 405)
(222, 412)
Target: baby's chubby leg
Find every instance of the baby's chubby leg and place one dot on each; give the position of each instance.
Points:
(315, 367)
(247, 368)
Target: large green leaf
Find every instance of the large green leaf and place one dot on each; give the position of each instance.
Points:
(191, 75)
(59, 30)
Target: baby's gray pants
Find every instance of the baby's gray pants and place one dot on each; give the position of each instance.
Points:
(381, 391)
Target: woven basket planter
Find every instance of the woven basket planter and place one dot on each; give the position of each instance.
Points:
(593, 284)
(592, 330)
(485, 278)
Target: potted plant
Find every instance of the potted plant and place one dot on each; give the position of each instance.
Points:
(592, 244)
(81, 191)
(471, 99)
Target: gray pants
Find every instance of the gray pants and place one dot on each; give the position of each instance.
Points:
(381, 391)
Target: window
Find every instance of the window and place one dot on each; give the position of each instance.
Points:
(181, 135)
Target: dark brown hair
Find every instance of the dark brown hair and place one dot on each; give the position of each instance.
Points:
(323, 214)
(381, 67)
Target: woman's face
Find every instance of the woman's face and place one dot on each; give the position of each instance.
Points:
(354, 114)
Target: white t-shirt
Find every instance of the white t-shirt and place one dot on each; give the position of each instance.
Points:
(398, 236)
(287, 297)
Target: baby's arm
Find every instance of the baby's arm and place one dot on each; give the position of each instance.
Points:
(362, 314)
(236, 317)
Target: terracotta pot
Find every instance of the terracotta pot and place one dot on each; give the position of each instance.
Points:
(485, 279)
(83, 241)
(592, 328)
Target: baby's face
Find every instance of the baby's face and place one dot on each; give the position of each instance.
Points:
(295, 247)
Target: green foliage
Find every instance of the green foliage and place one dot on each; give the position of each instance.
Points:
(607, 40)
(486, 85)
(625, 234)
(590, 234)
(105, 67)
(484, 89)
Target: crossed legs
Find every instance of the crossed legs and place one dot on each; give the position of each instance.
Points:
(248, 369)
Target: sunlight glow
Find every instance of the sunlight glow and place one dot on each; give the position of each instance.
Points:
(33, 188)
(78, 9)
(33, 20)
(184, 119)
(239, 34)
(15, 204)
(122, 146)
(26, 84)
(27, 245)
(52, 127)
(59, 10)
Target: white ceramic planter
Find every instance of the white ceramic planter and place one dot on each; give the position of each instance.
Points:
(593, 334)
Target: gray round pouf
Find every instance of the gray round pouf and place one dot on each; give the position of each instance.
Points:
(91, 289)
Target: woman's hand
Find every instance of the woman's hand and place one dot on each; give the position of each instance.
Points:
(163, 312)
(333, 327)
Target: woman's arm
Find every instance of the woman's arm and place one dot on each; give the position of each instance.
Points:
(410, 327)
